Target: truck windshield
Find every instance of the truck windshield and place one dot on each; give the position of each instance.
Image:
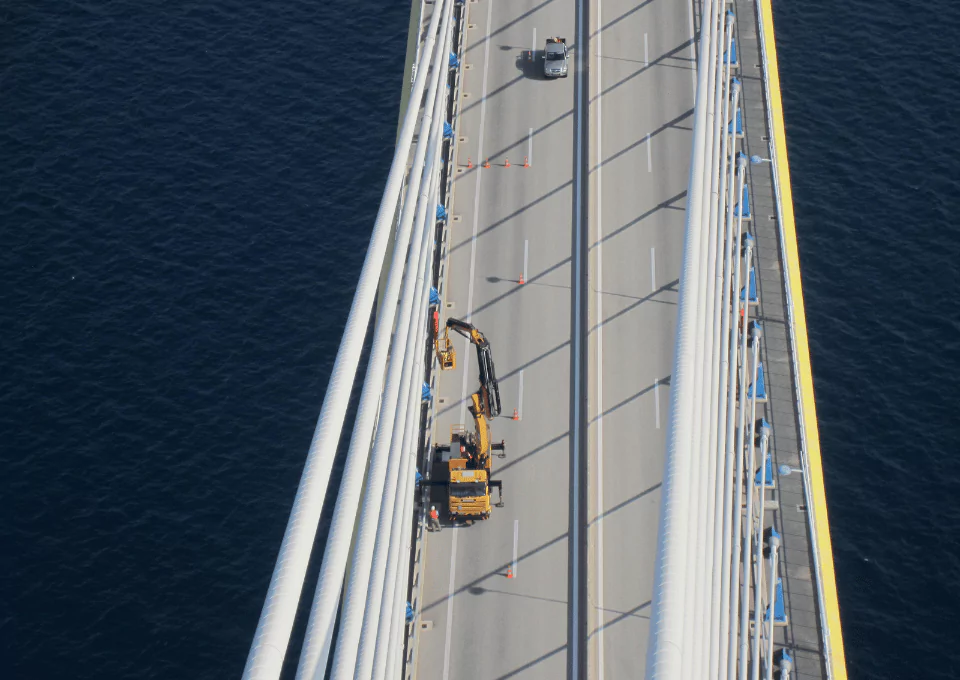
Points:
(468, 489)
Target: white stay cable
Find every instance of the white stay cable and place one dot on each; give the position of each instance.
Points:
(323, 612)
(665, 651)
(728, 405)
(268, 649)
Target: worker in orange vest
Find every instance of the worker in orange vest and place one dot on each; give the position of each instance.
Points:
(434, 519)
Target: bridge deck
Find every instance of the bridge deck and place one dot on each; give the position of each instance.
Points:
(578, 532)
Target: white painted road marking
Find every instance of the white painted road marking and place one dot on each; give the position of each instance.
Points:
(599, 286)
(530, 146)
(516, 536)
(649, 155)
(466, 344)
(520, 400)
(646, 51)
(533, 45)
(526, 252)
(653, 271)
(450, 589)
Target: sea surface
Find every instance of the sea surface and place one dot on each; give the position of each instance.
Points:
(186, 192)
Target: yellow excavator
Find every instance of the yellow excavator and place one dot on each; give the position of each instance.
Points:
(489, 391)
(464, 465)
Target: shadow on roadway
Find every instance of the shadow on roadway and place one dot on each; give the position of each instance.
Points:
(667, 204)
(514, 145)
(659, 61)
(509, 217)
(499, 571)
(645, 390)
(633, 305)
(620, 506)
(503, 377)
(644, 140)
(509, 24)
(530, 64)
(623, 16)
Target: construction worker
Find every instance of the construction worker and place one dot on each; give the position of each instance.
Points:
(434, 519)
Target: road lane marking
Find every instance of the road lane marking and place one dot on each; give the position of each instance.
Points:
(530, 146)
(653, 271)
(656, 400)
(466, 344)
(526, 252)
(450, 589)
(516, 536)
(533, 45)
(520, 400)
(646, 51)
(649, 155)
(476, 214)
(600, 604)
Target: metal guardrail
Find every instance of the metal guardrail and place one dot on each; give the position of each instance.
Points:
(814, 544)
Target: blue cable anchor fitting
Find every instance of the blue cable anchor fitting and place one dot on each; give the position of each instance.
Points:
(745, 202)
(753, 287)
(425, 393)
(736, 125)
(454, 62)
(434, 296)
(441, 213)
(732, 57)
(761, 386)
(409, 613)
(779, 613)
(447, 130)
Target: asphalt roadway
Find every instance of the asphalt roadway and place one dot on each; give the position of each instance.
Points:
(558, 582)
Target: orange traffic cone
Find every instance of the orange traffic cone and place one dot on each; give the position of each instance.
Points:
(486, 163)
(521, 281)
(526, 162)
(506, 162)
(516, 416)
(509, 572)
(469, 163)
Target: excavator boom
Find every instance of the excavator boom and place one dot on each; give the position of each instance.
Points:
(489, 387)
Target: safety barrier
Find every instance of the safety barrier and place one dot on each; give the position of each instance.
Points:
(812, 472)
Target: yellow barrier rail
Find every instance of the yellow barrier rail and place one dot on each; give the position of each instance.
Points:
(810, 434)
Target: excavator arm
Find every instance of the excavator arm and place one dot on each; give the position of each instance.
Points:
(489, 387)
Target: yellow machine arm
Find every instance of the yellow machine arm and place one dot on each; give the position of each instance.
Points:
(489, 392)
(481, 426)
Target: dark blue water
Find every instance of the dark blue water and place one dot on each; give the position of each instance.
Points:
(186, 190)
(186, 194)
(871, 107)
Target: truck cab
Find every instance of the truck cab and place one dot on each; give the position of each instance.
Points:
(555, 58)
